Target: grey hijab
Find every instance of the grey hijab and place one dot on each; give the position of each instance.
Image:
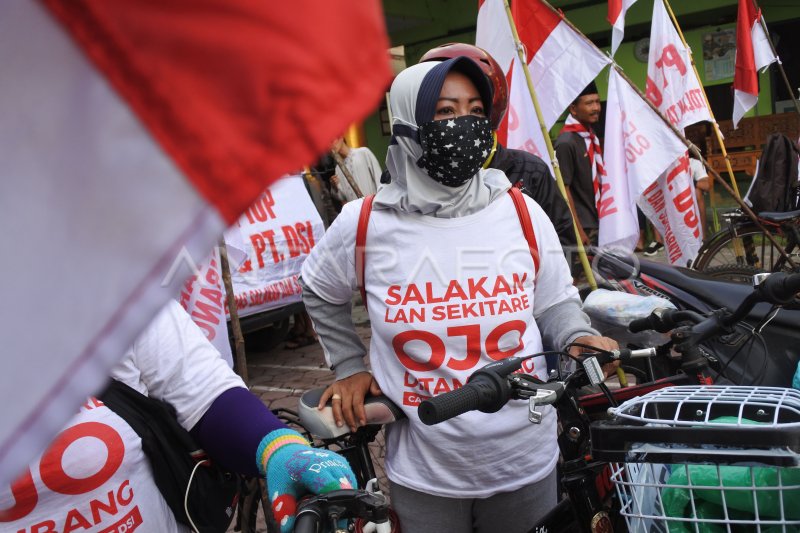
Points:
(411, 189)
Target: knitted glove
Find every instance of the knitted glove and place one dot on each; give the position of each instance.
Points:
(293, 468)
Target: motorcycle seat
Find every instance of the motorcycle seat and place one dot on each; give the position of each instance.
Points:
(717, 293)
(779, 216)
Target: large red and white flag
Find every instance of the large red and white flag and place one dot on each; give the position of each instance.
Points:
(639, 146)
(561, 64)
(753, 54)
(672, 85)
(132, 134)
(616, 16)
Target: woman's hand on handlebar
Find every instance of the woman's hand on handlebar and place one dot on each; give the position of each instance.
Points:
(601, 343)
(347, 399)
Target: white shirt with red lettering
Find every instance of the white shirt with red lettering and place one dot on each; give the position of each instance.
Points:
(95, 477)
(445, 297)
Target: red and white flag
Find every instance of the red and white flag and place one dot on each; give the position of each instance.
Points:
(134, 133)
(638, 148)
(753, 54)
(672, 85)
(561, 64)
(616, 16)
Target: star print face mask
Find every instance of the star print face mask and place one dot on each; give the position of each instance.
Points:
(453, 150)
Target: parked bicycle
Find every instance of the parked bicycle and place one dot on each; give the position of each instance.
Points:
(742, 249)
(590, 505)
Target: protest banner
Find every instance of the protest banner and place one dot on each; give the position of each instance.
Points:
(277, 233)
(674, 89)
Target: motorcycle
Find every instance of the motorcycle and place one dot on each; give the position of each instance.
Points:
(762, 349)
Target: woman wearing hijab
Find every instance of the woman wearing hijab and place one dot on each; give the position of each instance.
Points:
(450, 285)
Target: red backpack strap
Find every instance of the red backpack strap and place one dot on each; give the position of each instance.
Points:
(527, 226)
(361, 243)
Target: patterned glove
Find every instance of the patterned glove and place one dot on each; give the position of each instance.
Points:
(293, 468)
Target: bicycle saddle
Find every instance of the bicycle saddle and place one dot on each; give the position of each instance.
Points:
(380, 410)
(779, 216)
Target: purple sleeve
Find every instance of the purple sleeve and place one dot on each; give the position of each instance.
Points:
(232, 428)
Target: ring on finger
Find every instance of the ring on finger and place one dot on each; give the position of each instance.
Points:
(336, 397)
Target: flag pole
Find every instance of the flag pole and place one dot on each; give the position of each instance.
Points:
(775, 53)
(587, 269)
(346, 172)
(691, 147)
(236, 326)
(717, 131)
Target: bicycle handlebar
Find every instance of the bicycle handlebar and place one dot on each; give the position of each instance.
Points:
(316, 512)
(487, 390)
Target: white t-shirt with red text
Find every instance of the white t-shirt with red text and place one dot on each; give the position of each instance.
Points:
(94, 477)
(445, 297)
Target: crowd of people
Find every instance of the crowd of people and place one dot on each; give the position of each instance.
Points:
(447, 189)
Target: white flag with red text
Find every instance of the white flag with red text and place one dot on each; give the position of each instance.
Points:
(672, 85)
(203, 297)
(616, 16)
(670, 204)
(753, 54)
(133, 133)
(561, 64)
(638, 148)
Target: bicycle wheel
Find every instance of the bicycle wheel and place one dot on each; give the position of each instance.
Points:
(734, 272)
(753, 249)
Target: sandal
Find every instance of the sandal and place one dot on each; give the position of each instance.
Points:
(299, 341)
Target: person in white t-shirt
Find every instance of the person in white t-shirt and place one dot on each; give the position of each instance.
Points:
(702, 185)
(363, 167)
(450, 286)
(95, 476)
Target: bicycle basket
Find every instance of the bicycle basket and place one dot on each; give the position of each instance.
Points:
(705, 458)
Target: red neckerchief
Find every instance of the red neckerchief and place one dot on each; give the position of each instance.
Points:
(593, 149)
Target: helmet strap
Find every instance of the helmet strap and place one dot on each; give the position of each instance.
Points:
(494, 149)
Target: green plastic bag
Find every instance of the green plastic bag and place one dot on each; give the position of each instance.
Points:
(741, 504)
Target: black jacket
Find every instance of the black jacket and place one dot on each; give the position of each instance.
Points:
(532, 176)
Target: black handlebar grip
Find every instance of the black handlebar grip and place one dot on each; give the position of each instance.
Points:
(451, 404)
(308, 522)
(780, 287)
(640, 324)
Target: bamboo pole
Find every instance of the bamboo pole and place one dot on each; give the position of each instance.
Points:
(550, 151)
(775, 53)
(717, 131)
(691, 147)
(238, 337)
(347, 175)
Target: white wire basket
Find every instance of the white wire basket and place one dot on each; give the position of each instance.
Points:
(706, 459)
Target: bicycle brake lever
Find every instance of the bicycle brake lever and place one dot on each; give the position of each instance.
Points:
(537, 392)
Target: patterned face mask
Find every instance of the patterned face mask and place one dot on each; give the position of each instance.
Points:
(453, 150)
